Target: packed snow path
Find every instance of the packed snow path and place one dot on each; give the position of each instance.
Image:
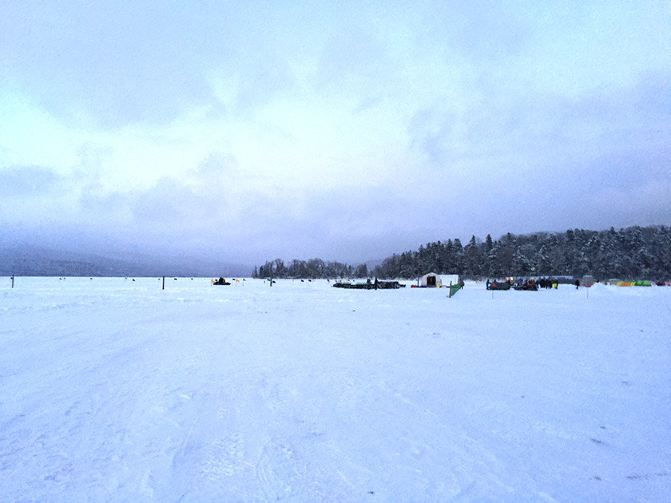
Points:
(113, 390)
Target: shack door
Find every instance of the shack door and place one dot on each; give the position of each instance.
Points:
(431, 281)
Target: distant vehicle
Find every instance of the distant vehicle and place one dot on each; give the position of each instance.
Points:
(528, 285)
(369, 285)
(498, 285)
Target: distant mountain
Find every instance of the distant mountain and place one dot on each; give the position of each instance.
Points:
(25, 260)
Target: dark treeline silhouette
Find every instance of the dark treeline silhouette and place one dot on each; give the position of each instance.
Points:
(633, 252)
(313, 268)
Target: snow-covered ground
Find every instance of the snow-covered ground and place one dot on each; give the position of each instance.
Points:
(115, 390)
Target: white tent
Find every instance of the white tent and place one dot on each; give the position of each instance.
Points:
(433, 280)
(430, 280)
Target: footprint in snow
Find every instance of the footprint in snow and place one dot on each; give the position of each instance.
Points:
(279, 471)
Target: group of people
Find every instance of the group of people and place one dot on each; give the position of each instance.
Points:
(548, 283)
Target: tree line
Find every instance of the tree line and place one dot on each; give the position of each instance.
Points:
(629, 253)
(313, 268)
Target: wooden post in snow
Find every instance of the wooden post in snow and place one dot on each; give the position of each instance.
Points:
(163, 286)
(12, 281)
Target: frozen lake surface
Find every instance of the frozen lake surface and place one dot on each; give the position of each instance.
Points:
(113, 390)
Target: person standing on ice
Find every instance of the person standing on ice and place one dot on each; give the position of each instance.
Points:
(577, 284)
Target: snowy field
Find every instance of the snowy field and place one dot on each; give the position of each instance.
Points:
(113, 390)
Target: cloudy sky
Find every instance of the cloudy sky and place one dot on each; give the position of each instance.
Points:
(346, 130)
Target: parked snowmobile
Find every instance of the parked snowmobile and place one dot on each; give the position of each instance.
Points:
(498, 285)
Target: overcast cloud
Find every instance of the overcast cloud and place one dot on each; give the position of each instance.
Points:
(254, 130)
